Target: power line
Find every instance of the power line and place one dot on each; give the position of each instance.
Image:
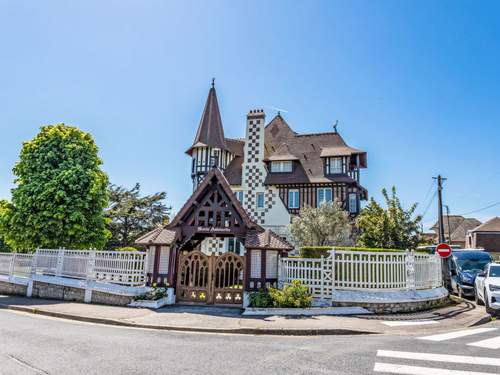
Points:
(429, 205)
(480, 209)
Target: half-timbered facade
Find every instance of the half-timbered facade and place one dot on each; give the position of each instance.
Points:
(275, 171)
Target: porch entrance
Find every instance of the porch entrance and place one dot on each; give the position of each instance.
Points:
(210, 279)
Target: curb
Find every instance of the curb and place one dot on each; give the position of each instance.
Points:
(241, 331)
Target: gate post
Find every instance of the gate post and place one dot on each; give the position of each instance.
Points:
(410, 270)
(332, 263)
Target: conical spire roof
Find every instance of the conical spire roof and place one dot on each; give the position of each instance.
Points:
(210, 131)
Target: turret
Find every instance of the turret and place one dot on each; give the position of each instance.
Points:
(209, 147)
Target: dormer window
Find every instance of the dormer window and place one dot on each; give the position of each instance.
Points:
(335, 165)
(281, 166)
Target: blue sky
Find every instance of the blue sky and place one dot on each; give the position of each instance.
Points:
(414, 83)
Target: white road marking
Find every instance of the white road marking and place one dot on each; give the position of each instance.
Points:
(417, 370)
(456, 334)
(402, 323)
(493, 343)
(440, 358)
(27, 365)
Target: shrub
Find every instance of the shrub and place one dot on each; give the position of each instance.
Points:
(261, 299)
(295, 295)
(152, 295)
(126, 248)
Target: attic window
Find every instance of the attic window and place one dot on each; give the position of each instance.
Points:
(281, 166)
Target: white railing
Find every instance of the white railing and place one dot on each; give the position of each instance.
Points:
(358, 270)
(126, 268)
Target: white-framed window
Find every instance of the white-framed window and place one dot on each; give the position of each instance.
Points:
(281, 166)
(260, 201)
(293, 198)
(353, 203)
(234, 245)
(271, 264)
(239, 195)
(255, 264)
(335, 166)
(324, 195)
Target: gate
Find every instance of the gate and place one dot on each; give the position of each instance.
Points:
(210, 279)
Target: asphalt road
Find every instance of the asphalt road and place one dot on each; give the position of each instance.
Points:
(37, 345)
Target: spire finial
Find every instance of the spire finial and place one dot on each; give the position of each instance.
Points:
(213, 82)
(335, 126)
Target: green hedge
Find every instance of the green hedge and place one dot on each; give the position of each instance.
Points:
(318, 251)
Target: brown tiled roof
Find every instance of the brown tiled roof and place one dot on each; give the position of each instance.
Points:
(459, 226)
(492, 225)
(266, 240)
(158, 236)
(282, 153)
(210, 131)
(339, 151)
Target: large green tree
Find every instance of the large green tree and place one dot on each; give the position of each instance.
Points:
(327, 225)
(60, 193)
(131, 215)
(4, 210)
(391, 227)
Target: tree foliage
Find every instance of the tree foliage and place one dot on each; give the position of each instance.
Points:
(132, 215)
(4, 211)
(59, 194)
(327, 225)
(393, 227)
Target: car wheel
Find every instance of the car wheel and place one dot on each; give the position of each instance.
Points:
(478, 300)
(489, 310)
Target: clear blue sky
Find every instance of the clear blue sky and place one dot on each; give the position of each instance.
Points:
(414, 83)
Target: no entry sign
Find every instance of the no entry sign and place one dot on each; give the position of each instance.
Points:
(443, 250)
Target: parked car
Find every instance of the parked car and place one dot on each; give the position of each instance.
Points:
(465, 264)
(487, 287)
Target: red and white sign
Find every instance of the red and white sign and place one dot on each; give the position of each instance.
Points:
(443, 250)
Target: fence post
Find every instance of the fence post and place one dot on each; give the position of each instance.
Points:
(322, 272)
(90, 266)
(12, 265)
(332, 255)
(410, 270)
(280, 273)
(60, 262)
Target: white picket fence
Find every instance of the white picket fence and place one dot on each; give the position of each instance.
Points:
(125, 268)
(358, 270)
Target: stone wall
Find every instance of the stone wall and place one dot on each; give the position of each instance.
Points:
(110, 299)
(12, 289)
(53, 291)
(396, 307)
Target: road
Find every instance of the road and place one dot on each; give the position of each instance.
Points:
(38, 345)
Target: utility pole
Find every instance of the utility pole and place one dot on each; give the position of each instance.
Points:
(446, 266)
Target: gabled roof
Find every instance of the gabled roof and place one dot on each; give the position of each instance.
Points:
(214, 176)
(210, 131)
(492, 225)
(459, 226)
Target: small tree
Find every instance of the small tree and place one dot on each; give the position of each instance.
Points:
(327, 225)
(60, 193)
(131, 215)
(393, 227)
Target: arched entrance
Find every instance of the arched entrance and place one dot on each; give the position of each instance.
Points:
(210, 279)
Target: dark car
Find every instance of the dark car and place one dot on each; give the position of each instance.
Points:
(465, 264)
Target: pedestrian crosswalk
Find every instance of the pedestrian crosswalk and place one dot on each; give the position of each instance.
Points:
(426, 362)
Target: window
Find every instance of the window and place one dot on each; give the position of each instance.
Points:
(353, 203)
(334, 166)
(234, 245)
(271, 264)
(239, 195)
(260, 201)
(281, 166)
(255, 264)
(324, 195)
(293, 198)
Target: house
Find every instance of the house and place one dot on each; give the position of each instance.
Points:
(455, 229)
(227, 238)
(275, 171)
(486, 236)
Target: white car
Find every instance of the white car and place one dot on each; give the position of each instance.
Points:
(487, 288)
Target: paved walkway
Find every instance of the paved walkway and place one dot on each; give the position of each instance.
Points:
(230, 320)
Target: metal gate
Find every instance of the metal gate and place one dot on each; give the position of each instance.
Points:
(210, 279)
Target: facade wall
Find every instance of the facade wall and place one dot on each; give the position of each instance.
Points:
(273, 214)
(488, 241)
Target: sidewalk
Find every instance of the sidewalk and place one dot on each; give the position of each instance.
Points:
(230, 320)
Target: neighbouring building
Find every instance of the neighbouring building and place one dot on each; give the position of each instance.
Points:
(456, 228)
(228, 236)
(486, 236)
